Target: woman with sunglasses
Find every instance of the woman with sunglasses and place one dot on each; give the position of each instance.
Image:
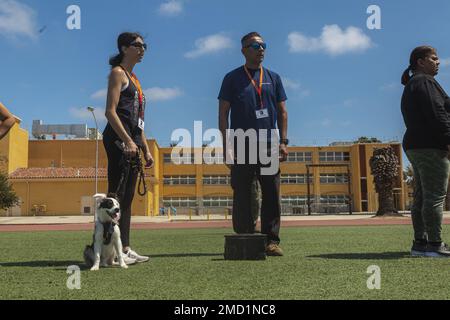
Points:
(7, 120)
(124, 133)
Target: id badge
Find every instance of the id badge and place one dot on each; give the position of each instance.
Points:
(262, 113)
(141, 124)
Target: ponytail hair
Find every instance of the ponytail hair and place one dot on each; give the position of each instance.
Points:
(124, 40)
(116, 60)
(406, 76)
(418, 53)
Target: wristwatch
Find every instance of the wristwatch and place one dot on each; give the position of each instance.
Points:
(284, 141)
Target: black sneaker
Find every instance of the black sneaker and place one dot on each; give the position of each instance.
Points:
(437, 250)
(418, 248)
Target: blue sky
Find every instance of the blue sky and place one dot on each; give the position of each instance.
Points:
(342, 79)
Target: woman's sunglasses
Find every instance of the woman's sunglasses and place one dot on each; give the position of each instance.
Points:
(139, 45)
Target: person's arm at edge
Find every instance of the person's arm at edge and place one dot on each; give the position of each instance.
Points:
(435, 112)
(282, 122)
(7, 120)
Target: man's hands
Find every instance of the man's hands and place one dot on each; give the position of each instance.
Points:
(230, 155)
(283, 152)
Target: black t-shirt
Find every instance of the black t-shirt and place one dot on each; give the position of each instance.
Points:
(426, 112)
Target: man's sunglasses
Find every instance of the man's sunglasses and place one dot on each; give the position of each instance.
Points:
(139, 45)
(257, 45)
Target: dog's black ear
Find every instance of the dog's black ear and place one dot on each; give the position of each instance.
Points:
(112, 195)
(106, 203)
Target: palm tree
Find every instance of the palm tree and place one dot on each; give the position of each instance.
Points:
(384, 168)
(447, 198)
(408, 176)
(367, 140)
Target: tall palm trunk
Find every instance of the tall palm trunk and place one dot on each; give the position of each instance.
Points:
(384, 168)
(386, 205)
(447, 199)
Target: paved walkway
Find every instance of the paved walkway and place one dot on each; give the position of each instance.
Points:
(77, 223)
(164, 219)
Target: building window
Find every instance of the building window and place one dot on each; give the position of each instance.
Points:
(179, 180)
(334, 156)
(336, 178)
(216, 180)
(299, 157)
(187, 158)
(213, 158)
(295, 178)
(334, 199)
(167, 158)
(294, 201)
(180, 202)
(218, 202)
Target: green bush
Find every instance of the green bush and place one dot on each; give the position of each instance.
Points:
(8, 197)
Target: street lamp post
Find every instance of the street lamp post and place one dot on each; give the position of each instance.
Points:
(91, 109)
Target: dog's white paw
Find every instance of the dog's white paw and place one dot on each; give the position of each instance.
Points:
(124, 266)
(95, 268)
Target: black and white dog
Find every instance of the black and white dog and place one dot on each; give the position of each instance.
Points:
(107, 244)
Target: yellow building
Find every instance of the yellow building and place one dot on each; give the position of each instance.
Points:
(57, 177)
(14, 149)
(208, 186)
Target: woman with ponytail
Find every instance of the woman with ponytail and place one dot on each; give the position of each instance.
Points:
(124, 135)
(426, 111)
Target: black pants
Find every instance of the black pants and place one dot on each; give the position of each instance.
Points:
(118, 168)
(241, 181)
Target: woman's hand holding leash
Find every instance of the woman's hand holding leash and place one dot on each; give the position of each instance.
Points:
(148, 160)
(130, 149)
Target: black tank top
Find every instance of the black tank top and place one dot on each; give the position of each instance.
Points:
(129, 112)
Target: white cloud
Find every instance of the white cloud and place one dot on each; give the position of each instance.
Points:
(100, 94)
(152, 94)
(17, 19)
(171, 8)
(333, 41)
(84, 114)
(350, 103)
(390, 86)
(295, 86)
(209, 44)
(445, 62)
(290, 84)
(162, 94)
(325, 122)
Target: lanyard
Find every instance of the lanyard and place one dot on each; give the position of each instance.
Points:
(257, 88)
(137, 84)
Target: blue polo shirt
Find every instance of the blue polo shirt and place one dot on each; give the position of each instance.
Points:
(244, 99)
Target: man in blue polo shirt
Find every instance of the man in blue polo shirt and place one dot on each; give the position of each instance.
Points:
(255, 98)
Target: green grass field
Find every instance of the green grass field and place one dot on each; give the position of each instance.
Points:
(319, 263)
